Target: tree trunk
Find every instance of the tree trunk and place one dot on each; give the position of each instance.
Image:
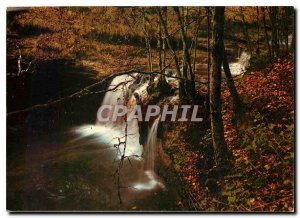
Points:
(208, 59)
(166, 33)
(196, 40)
(245, 31)
(148, 45)
(266, 31)
(159, 47)
(257, 18)
(237, 101)
(184, 65)
(190, 84)
(286, 29)
(162, 83)
(165, 11)
(217, 129)
(273, 20)
(292, 48)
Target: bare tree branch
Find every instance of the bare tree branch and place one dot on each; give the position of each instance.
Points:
(86, 90)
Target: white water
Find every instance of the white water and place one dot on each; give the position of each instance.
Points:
(107, 133)
(151, 146)
(152, 180)
(239, 67)
(236, 68)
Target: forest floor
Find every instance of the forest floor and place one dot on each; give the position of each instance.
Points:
(261, 144)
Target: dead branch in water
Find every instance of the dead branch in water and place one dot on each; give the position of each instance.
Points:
(122, 152)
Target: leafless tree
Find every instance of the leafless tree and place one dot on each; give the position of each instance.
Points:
(217, 129)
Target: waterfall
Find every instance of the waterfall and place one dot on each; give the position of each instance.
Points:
(108, 133)
(149, 180)
(244, 60)
(151, 145)
(239, 67)
(117, 96)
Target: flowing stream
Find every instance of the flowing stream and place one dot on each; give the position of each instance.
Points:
(239, 67)
(152, 180)
(77, 172)
(139, 175)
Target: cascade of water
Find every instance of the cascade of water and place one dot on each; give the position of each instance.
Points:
(240, 66)
(118, 96)
(149, 179)
(151, 145)
(108, 133)
(244, 60)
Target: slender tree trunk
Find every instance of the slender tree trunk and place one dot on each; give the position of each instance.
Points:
(148, 45)
(277, 44)
(186, 19)
(162, 79)
(237, 101)
(273, 20)
(217, 129)
(292, 48)
(245, 31)
(184, 46)
(196, 41)
(286, 29)
(208, 58)
(277, 31)
(257, 15)
(266, 31)
(159, 47)
(190, 85)
(166, 33)
(272, 32)
(165, 12)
